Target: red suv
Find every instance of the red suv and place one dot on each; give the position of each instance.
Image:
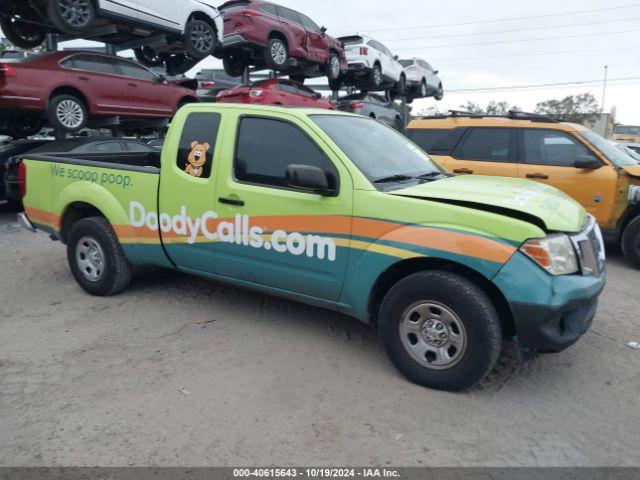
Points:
(68, 88)
(275, 92)
(267, 35)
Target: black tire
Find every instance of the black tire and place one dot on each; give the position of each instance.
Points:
(22, 34)
(73, 121)
(375, 77)
(474, 316)
(423, 91)
(631, 242)
(400, 88)
(23, 126)
(200, 39)
(439, 94)
(332, 70)
(177, 64)
(77, 22)
(276, 54)
(115, 271)
(148, 57)
(234, 65)
(397, 124)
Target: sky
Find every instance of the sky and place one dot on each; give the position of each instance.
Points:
(480, 47)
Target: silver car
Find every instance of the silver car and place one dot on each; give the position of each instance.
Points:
(371, 105)
(422, 79)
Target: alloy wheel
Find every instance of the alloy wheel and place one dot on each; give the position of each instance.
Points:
(70, 114)
(76, 13)
(433, 335)
(279, 53)
(423, 89)
(202, 38)
(335, 66)
(90, 258)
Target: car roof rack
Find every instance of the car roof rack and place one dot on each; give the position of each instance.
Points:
(512, 114)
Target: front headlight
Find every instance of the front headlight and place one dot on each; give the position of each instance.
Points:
(554, 253)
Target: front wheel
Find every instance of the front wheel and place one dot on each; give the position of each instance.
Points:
(333, 71)
(22, 34)
(376, 77)
(67, 113)
(96, 258)
(71, 16)
(440, 330)
(631, 242)
(276, 54)
(440, 93)
(148, 57)
(200, 39)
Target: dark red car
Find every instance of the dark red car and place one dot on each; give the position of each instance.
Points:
(275, 92)
(267, 35)
(71, 87)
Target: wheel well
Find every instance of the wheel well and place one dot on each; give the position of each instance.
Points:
(70, 91)
(372, 115)
(629, 216)
(280, 35)
(400, 270)
(204, 17)
(74, 213)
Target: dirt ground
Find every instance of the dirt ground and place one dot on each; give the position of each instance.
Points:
(179, 371)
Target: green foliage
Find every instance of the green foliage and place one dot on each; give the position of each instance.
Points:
(492, 108)
(581, 108)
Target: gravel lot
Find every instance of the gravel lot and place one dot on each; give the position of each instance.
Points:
(93, 381)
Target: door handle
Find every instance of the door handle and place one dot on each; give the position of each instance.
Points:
(86, 79)
(540, 176)
(236, 202)
(463, 170)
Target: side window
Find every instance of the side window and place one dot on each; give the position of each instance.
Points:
(267, 147)
(132, 70)
(290, 15)
(308, 23)
(486, 145)
(548, 147)
(92, 64)
(198, 143)
(269, 8)
(376, 45)
(435, 141)
(106, 147)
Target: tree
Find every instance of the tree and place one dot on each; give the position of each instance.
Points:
(581, 108)
(492, 108)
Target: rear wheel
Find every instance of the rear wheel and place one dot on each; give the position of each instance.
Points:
(23, 126)
(71, 16)
(376, 76)
(200, 39)
(423, 89)
(96, 258)
(401, 87)
(440, 330)
(67, 113)
(22, 34)
(276, 54)
(631, 242)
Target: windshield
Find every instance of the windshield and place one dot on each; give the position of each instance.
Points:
(627, 130)
(378, 151)
(615, 156)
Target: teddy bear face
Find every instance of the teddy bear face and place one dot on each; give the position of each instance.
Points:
(198, 154)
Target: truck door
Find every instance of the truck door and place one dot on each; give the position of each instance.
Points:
(486, 151)
(549, 156)
(187, 197)
(277, 236)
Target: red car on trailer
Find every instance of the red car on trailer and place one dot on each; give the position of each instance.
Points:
(276, 92)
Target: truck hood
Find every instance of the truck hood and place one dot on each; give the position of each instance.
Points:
(535, 203)
(633, 171)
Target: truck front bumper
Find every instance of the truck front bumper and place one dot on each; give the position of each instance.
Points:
(550, 313)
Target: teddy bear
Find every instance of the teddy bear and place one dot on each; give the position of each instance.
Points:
(197, 158)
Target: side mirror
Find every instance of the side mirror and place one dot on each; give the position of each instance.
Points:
(436, 72)
(162, 79)
(587, 162)
(323, 29)
(306, 177)
(396, 58)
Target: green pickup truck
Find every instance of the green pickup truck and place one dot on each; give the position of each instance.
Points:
(337, 211)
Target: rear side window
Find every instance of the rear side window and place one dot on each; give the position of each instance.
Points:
(267, 147)
(90, 63)
(198, 143)
(290, 15)
(308, 23)
(269, 8)
(486, 145)
(436, 141)
(549, 147)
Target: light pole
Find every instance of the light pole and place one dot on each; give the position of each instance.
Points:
(604, 88)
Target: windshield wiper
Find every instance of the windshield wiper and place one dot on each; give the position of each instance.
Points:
(394, 178)
(430, 175)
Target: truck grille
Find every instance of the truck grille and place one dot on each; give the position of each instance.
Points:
(590, 247)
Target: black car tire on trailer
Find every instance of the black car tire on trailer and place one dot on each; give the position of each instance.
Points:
(332, 70)
(67, 113)
(200, 39)
(69, 18)
(22, 34)
(276, 54)
(23, 126)
(148, 57)
(440, 330)
(96, 258)
(631, 242)
(375, 78)
(440, 93)
(233, 65)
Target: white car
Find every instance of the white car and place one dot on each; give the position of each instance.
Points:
(372, 66)
(193, 27)
(422, 79)
(626, 149)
